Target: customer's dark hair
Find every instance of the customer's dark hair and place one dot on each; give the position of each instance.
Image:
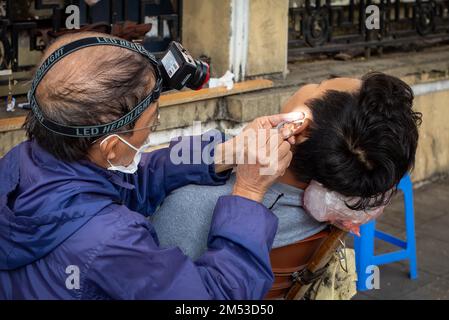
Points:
(88, 90)
(361, 144)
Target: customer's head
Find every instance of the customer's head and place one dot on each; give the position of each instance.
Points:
(92, 86)
(362, 138)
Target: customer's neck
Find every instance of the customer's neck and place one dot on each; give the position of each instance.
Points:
(290, 179)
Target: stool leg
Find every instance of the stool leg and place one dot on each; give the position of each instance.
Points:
(407, 189)
(364, 251)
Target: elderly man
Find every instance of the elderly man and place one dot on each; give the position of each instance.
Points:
(74, 197)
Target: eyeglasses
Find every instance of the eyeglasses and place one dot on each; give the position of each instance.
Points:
(152, 127)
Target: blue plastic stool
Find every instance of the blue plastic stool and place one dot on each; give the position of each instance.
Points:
(364, 245)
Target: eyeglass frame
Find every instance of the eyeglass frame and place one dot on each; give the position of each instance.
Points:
(152, 127)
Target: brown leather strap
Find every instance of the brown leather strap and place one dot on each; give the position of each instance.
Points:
(290, 259)
(318, 262)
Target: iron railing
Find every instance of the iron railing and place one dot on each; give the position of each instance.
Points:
(322, 26)
(39, 17)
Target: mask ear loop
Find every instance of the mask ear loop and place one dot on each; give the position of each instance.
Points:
(122, 140)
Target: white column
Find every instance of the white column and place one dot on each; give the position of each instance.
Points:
(238, 47)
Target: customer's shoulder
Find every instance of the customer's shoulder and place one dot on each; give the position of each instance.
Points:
(198, 195)
(197, 202)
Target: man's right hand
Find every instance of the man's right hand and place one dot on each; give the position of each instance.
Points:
(273, 159)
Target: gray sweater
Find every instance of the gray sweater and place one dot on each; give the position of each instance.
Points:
(184, 218)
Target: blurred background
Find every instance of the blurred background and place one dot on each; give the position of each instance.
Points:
(272, 47)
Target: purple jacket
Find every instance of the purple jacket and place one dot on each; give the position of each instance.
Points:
(77, 231)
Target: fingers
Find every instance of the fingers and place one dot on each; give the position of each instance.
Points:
(286, 132)
(284, 148)
(292, 116)
(274, 120)
(269, 122)
(264, 122)
(284, 163)
(292, 140)
(282, 156)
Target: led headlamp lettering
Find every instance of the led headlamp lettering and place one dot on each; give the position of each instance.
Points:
(36, 111)
(99, 130)
(49, 61)
(124, 44)
(87, 132)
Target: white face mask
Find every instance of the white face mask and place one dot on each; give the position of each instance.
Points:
(133, 166)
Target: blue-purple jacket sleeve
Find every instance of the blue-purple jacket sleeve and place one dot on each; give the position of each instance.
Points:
(187, 160)
(236, 266)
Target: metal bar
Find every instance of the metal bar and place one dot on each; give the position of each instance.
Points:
(391, 239)
(372, 44)
(402, 22)
(389, 257)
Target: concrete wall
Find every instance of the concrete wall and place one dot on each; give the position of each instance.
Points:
(432, 157)
(206, 30)
(268, 37)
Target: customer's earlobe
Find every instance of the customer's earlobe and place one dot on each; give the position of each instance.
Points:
(301, 139)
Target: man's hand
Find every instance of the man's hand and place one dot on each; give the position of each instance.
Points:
(261, 154)
(274, 158)
(228, 153)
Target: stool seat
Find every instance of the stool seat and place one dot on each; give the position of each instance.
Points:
(364, 245)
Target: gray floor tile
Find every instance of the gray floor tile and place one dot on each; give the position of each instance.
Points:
(395, 283)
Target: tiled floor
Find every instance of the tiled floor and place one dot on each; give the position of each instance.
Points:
(432, 240)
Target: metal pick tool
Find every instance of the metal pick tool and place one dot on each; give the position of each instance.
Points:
(295, 125)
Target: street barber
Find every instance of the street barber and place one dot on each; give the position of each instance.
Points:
(75, 197)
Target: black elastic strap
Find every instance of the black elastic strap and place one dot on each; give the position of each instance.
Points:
(306, 277)
(275, 201)
(96, 130)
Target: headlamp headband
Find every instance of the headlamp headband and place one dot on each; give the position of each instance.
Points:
(96, 130)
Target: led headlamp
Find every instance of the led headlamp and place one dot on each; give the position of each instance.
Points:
(176, 70)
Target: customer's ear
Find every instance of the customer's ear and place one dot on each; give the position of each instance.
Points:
(300, 134)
